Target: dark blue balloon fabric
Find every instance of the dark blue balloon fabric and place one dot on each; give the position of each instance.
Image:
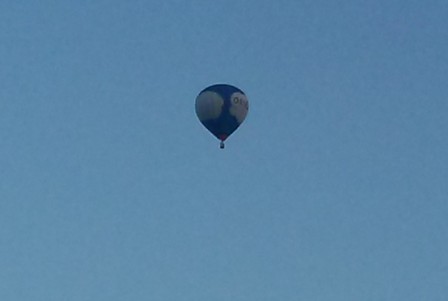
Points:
(221, 109)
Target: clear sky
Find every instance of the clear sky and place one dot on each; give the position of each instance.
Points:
(334, 188)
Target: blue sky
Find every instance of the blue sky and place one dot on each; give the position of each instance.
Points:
(334, 188)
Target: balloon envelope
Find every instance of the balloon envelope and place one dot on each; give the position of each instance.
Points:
(221, 109)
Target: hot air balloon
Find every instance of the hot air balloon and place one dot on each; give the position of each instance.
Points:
(221, 109)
